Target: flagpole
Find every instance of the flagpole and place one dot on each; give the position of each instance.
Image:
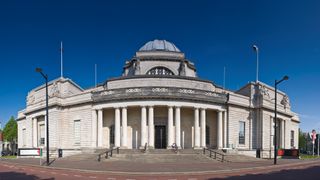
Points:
(256, 49)
(95, 75)
(61, 59)
(224, 77)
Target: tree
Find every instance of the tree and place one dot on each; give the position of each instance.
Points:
(10, 132)
(302, 141)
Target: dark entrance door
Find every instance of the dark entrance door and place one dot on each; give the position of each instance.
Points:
(160, 137)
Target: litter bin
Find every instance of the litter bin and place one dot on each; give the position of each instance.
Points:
(258, 153)
(59, 153)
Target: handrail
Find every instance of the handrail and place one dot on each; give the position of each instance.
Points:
(145, 148)
(108, 153)
(222, 156)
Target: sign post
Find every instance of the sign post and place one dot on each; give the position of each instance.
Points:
(318, 143)
(313, 136)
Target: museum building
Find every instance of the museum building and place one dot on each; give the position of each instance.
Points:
(158, 101)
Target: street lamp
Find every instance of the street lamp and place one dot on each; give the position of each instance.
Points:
(276, 82)
(256, 49)
(45, 76)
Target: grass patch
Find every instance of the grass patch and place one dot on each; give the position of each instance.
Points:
(304, 156)
(8, 157)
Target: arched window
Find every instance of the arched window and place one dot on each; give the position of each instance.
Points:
(160, 71)
(111, 135)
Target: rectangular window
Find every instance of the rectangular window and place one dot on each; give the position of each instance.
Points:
(42, 135)
(292, 139)
(24, 137)
(77, 132)
(242, 133)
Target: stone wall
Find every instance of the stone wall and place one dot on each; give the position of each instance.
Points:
(235, 116)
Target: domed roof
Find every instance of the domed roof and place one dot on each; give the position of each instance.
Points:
(159, 45)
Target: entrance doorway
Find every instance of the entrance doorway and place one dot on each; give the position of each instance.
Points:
(160, 137)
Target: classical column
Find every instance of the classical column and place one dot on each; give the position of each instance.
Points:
(178, 127)
(225, 140)
(196, 129)
(203, 127)
(124, 127)
(143, 126)
(94, 128)
(282, 133)
(35, 132)
(170, 126)
(288, 134)
(117, 128)
(219, 130)
(151, 127)
(100, 124)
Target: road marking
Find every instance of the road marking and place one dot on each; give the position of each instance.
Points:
(53, 172)
(92, 177)
(64, 174)
(112, 178)
(77, 175)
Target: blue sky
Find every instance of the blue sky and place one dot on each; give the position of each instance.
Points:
(213, 34)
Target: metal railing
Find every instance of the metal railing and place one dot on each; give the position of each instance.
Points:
(144, 150)
(214, 154)
(108, 153)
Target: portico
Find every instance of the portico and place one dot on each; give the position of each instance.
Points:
(144, 122)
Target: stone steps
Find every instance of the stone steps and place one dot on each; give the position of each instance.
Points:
(160, 158)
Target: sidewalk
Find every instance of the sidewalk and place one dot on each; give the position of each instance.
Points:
(125, 167)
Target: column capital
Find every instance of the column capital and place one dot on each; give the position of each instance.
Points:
(203, 108)
(177, 106)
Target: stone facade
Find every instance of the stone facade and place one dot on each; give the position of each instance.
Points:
(158, 101)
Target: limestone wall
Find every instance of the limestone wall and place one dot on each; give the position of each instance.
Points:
(160, 82)
(235, 116)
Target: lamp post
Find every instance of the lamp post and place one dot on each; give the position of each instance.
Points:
(276, 82)
(256, 49)
(45, 76)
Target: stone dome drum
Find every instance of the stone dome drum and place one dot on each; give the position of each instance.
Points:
(159, 45)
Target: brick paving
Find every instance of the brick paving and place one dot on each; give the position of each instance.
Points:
(30, 169)
(145, 168)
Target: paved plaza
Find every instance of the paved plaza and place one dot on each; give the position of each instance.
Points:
(71, 168)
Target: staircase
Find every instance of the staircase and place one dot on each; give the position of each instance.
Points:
(160, 156)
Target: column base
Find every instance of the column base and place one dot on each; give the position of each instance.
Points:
(197, 148)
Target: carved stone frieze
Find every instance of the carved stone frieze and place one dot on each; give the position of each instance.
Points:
(158, 93)
(285, 101)
(160, 90)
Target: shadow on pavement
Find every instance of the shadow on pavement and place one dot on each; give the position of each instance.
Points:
(311, 172)
(18, 175)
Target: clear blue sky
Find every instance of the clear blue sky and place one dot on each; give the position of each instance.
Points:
(213, 34)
